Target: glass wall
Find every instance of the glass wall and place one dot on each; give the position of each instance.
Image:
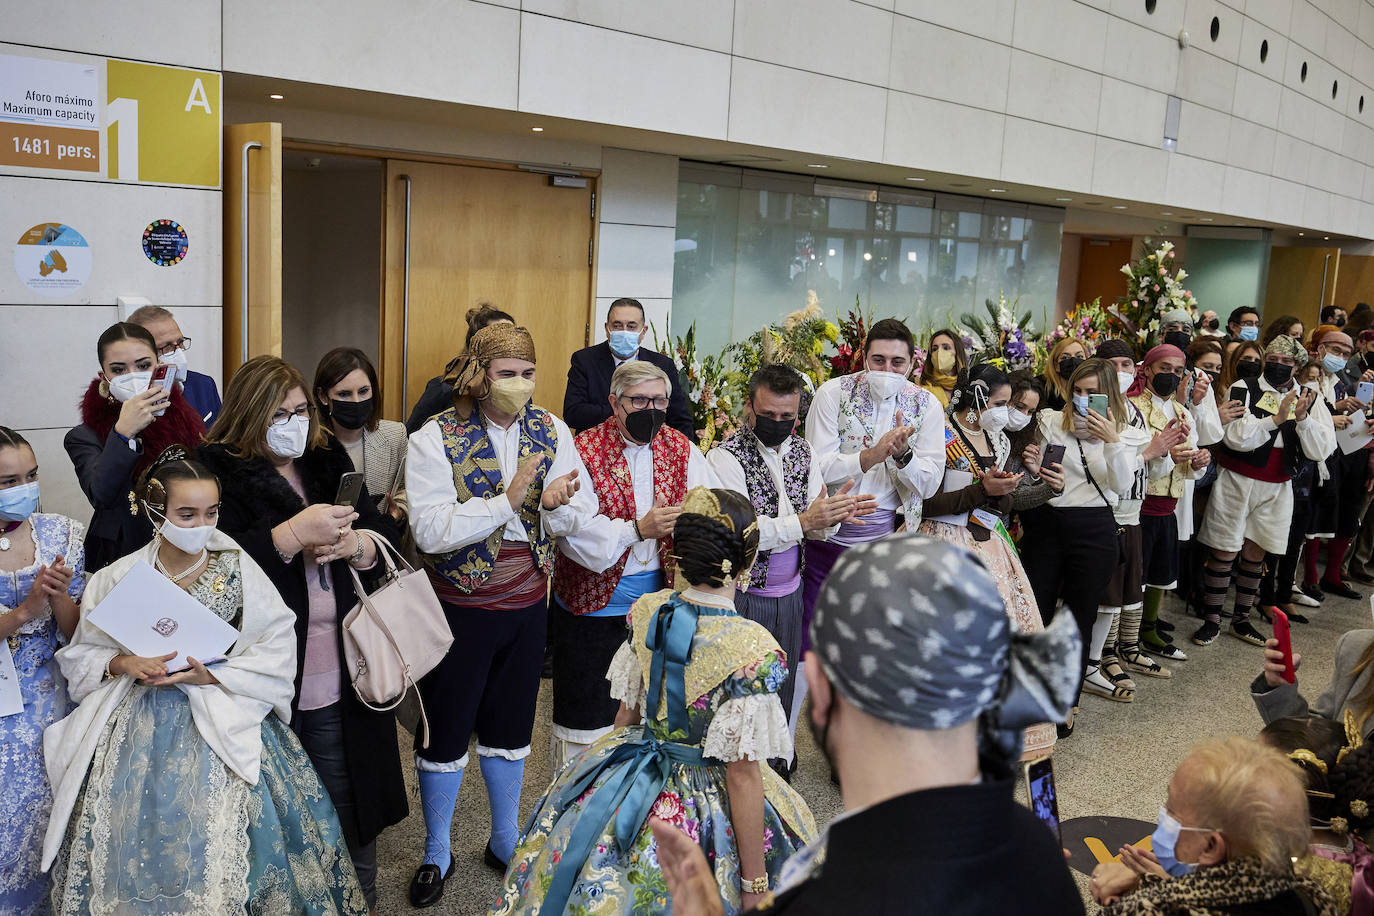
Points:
(751, 245)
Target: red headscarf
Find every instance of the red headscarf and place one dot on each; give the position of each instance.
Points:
(1162, 351)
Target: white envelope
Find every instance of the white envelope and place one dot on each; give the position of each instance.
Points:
(11, 697)
(1353, 437)
(955, 480)
(150, 616)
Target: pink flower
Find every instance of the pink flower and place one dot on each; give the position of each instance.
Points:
(1156, 287)
(668, 807)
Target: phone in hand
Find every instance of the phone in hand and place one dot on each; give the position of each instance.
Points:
(1044, 801)
(1364, 392)
(350, 488)
(1098, 404)
(1282, 634)
(1054, 454)
(161, 373)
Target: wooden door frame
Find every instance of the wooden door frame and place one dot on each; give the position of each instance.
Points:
(264, 259)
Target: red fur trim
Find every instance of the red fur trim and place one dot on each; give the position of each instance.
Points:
(180, 425)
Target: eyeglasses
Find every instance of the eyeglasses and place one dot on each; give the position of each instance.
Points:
(182, 344)
(639, 402)
(282, 416)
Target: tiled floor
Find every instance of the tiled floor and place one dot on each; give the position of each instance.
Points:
(1118, 761)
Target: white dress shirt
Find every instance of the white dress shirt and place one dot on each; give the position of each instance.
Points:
(784, 530)
(922, 474)
(1316, 433)
(600, 540)
(441, 523)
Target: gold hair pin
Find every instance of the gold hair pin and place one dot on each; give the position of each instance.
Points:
(1303, 755)
(701, 501)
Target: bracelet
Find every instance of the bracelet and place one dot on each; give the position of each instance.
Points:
(754, 885)
(109, 675)
(357, 554)
(635, 523)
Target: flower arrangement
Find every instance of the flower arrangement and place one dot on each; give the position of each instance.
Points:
(1086, 321)
(853, 331)
(1153, 287)
(1007, 340)
(706, 383)
(800, 341)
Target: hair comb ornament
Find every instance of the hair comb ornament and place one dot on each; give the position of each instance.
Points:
(1353, 739)
(1360, 808)
(1306, 757)
(701, 501)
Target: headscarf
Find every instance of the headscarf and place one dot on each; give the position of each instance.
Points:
(495, 341)
(1161, 351)
(1283, 345)
(1176, 316)
(912, 630)
(1334, 337)
(1317, 334)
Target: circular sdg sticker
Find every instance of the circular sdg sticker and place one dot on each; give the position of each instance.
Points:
(164, 242)
(53, 259)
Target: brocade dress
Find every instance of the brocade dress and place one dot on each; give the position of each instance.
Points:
(709, 679)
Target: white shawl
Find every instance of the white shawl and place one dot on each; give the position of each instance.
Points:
(256, 679)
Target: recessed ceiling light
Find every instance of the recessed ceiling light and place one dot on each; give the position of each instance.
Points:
(915, 179)
(1118, 206)
(1063, 200)
(817, 165)
(537, 130)
(1326, 238)
(997, 190)
(1302, 233)
(276, 95)
(1167, 213)
(1206, 219)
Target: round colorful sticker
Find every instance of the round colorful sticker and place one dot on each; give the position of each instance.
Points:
(53, 259)
(164, 242)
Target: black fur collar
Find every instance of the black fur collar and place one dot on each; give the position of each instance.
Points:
(255, 482)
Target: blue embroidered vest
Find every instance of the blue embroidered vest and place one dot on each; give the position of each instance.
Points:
(477, 475)
(763, 491)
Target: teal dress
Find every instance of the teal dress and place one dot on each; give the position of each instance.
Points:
(163, 827)
(707, 681)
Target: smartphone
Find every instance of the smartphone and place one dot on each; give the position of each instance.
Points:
(1192, 386)
(1044, 802)
(160, 373)
(1098, 404)
(1281, 633)
(1364, 392)
(1054, 454)
(350, 488)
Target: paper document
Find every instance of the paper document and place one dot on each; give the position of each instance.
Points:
(11, 700)
(955, 480)
(1354, 436)
(150, 616)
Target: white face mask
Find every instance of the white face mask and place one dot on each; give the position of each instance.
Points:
(1125, 380)
(129, 385)
(1017, 420)
(884, 385)
(187, 540)
(995, 419)
(178, 358)
(288, 439)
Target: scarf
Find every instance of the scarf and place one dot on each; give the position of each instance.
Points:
(1215, 890)
(180, 425)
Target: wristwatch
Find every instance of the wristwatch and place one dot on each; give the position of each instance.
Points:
(754, 885)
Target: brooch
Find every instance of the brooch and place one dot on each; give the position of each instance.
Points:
(219, 584)
(133, 503)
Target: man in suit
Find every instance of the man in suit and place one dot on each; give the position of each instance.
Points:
(587, 401)
(199, 389)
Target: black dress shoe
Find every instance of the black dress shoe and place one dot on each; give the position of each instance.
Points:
(491, 861)
(1340, 588)
(1313, 592)
(427, 887)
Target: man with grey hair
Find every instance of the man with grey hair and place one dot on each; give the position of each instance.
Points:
(199, 389)
(639, 469)
(920, 690)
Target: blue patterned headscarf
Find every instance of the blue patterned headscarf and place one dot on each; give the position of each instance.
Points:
(912, 630)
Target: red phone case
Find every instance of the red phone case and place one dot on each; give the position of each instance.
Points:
(1281, 633)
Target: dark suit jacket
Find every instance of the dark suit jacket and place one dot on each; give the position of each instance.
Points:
(437, 398)
(202, 394)
(586, 402)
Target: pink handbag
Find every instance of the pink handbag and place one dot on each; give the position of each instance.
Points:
(394, 636)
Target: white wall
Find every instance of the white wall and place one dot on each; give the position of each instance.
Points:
(1066, 94)
(637, 212)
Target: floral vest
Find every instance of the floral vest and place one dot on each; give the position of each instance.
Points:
(603, 452)
(763, 491)
(856, 432)
(1155, 420)
(477, 475)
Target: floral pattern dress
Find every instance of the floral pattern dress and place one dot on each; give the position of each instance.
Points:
(732, 674)
(25, 796)
(163, 827)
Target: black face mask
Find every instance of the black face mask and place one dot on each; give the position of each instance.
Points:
(351, 414)
(1277, 374)
(1164, 384)
(772, 433)
(643, 425)
(1339, 322)
(1367, 361)
(1212, 375)
(1249, 368)
(1212, 325)
(1067, 365)
(1180, 339)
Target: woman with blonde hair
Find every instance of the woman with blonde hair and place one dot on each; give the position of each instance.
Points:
(1067, 354)
(280, 473)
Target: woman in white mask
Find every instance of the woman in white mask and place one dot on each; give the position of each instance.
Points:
(240, 820)
(280, 474)
(972, 506)
(41, 581)
(126, 422)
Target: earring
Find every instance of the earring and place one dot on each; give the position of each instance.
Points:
(971, 417)
(104, 389)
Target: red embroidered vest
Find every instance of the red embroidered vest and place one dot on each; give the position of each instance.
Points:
(603, 452)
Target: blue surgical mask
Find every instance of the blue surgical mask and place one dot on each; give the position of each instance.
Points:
(624, 343)
(1249, 332)
(1165, 839)
(1333, 363)
(1080, 404)
(18, 503)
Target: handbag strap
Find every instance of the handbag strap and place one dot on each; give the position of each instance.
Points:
(1082, 456)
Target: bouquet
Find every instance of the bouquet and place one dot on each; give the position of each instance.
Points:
(706, 383)
(1086, 321)
(853, 331)
(800, 341)
(1007, 340)
(1152, 289)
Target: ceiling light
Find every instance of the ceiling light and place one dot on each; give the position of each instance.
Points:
(915, 179)
(1302, 233)
(276, 95)
(1326, 238)
(537, 130)
(817, 165)
(1167, 213)
(1063, 200)
(997, 190)
(868, 255)
(1206, 219)
(1118, 206)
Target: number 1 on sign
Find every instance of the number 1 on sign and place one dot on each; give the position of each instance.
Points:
(32, 145)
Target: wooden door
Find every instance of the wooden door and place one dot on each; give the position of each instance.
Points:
(252, 245)
(1099, 270)
(1301, 281)
(481, 234)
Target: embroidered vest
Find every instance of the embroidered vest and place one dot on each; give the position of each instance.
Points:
(1295, 460)
(856, 432)
(1156, 420)
(763, 491)
(477, 475)
(603, 453)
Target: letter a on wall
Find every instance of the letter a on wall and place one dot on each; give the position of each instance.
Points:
(163, 124)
